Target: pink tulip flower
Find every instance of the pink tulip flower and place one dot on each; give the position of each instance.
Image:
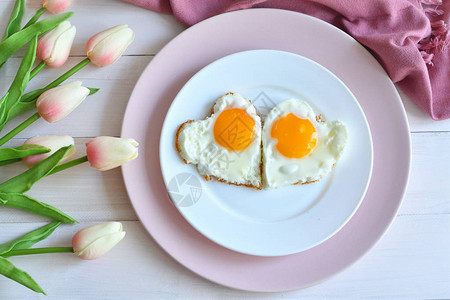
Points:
(54, 47)
(56, 6)
(53, 143)
(104, 48)
(56, 103)
(94, 241)
(105, 153)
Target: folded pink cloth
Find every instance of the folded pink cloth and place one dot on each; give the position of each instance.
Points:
(408, 37)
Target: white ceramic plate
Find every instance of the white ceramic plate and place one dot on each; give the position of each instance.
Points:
(268, 222)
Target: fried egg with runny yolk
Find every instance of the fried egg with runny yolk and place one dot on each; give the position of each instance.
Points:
(296, 147)
(226, 145)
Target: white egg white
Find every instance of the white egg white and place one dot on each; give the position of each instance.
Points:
(197, 145)
(279, 170)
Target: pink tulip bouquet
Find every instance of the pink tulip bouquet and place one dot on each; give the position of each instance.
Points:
(50, 41)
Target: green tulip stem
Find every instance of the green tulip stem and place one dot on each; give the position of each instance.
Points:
(35, 94)
(69, 73)
(9, 161)
(36, 17)
(37, 69)
(69, 164)
(19, 128)
(39, 251)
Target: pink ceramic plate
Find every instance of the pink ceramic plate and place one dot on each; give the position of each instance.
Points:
(238, 31)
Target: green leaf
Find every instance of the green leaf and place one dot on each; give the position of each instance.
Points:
(29, 239)
(92, 91)
(36, 17)
(16, 41)
(23, 182)
(15, 21)
(23, 107)
(9, 161)
(27, 203)
(3, 111)
(22, 151)
(19, 84)
(8, 270)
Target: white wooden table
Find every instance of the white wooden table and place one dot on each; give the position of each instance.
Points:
(411, 261)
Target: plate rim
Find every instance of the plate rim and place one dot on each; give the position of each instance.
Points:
(385, 226)
(297, 56)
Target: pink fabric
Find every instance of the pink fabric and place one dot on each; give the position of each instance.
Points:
(408, 37)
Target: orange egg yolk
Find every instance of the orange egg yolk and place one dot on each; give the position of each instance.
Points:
(234, 129)
(296, 137)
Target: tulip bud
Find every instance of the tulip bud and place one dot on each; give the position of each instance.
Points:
(56, 6)
(54, 47)
(106, 47)
(94, 241)
(56, 103)
(54, 143)
(105, 153)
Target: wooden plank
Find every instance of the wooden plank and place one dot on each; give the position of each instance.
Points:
(411, 261)
(402, 265)
(429, 185)
(99, 196)
(102, 113)
(99, 114)
(418, 119)
(153, 30)
(82, 192)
